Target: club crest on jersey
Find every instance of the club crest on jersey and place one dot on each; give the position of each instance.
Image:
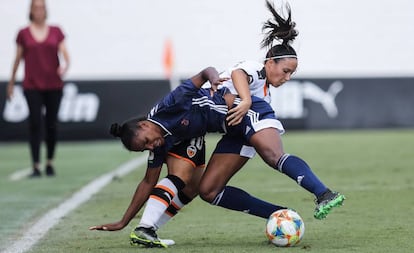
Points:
(191, 151)
(185, 122)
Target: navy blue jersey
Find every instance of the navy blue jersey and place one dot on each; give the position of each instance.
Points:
(187, 112)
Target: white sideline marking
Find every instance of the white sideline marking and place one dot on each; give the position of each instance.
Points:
(20, 174)
(51, 218)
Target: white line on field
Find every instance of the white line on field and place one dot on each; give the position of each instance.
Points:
(20, 174)
(51, 218)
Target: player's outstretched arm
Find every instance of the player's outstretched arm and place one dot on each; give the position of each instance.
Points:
(208, 74)
(141, 195)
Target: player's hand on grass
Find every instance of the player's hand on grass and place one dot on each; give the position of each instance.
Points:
(109, 227)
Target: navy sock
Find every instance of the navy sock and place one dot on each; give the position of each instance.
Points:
(298, 170)
(236, 199)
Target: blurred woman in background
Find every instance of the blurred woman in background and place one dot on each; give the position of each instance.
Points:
(40, 45)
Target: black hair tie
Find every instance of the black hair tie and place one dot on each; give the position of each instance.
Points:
(115, 130)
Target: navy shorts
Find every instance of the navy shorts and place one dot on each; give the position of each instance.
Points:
(193, 151)
(229, 144)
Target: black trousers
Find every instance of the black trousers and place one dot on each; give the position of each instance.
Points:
(43, 113)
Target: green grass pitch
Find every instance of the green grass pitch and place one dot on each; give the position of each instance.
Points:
(373, 168)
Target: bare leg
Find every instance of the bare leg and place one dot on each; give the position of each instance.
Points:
(269, 145)
(213, 187)
(219, 171)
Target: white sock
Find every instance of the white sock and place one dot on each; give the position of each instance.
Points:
(166, 216)
(158, 202)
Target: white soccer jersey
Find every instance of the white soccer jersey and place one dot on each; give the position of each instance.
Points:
(257, 79)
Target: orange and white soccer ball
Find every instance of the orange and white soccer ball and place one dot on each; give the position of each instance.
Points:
(285, 228)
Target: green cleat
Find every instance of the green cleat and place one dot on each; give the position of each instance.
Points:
(146, 237)
(326, 202)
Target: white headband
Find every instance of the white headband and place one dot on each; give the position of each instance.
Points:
(282, 56)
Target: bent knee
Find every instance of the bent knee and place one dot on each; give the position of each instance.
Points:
(271, 157)
(207, 194)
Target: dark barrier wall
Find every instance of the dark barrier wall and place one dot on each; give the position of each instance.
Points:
(89, 107)
(346, 103)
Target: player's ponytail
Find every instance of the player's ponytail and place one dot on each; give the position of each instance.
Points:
(279, 29)
(115, 130)
(126, 131)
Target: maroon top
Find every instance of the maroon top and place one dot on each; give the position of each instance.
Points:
(41, 59)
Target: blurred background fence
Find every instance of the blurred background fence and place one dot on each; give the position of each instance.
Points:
(355, 59)
(89, 107)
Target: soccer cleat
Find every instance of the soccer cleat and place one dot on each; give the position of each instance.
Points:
(50, 171)
(35, 173)
(146, 237)
(326, 202)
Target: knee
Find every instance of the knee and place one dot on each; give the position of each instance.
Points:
(207, 193)
(268, 144)
(271, 157)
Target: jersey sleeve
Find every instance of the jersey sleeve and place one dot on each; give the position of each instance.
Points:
(180, 98)
(59, 34)
(156, 159)
(186, 90)
(249, 67)
(20, 38)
